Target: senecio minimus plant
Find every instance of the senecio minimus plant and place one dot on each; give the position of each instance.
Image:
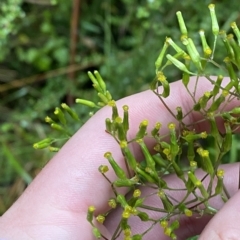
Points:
(181, 142)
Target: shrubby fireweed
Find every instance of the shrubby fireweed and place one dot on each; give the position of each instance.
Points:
(182, 140)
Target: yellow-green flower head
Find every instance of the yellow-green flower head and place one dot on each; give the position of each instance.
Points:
(103, 169)
(188, 212)
(164, 223)
(112, 103)
(100, 218)
(204, 135)
(91, 208)
(161, 77)
(112, 203)
(137, 193)
(126, 214)
(171, 126)
(125, 108)
(220, 173)
(107, 154)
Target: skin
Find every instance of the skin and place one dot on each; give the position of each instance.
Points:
(54, 205)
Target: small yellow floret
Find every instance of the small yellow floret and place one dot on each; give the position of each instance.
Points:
(207, 94)
(220, 173)
(136, 193)
(112, 103)
(168, 231)
(203, 134)
(166, 151)
(123, 144)
(158, 125)
(48, 119)
(188, 212)
(199, 151)
(161, 77)
(91, 208)
(171, 126)
(107, 154)
(193, 163)
(118, 120)
(198, 183)
(126, 214)
(112, 203)
(164, 223)
(208, 51)
(144, 123)
(205, 153)
(127, 232)
(103, 168)
(225, 93)
(125, 108)
(100, 218)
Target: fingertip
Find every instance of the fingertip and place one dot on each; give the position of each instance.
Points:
(225, 224)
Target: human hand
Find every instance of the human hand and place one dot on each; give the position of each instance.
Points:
(55, 204)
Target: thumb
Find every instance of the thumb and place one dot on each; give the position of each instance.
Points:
(225, 224)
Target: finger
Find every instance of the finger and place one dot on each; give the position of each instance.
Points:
(225, 224)
(71, 180)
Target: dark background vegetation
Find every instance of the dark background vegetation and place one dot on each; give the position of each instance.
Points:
(46, 49)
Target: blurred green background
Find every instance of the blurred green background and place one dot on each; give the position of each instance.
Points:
(46, 49)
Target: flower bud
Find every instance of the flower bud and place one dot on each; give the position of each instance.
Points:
(143, 216)
(60, 128)
(100, 218)
(206, 49)
(100, 81)
(236, 31)
(159, 60)
(168, 206)
(155, 131)
(120, 130)
(117, 169)
(227, 45)
(103, 169)
(124, 183)
(43, 143)
(181, 23)
(217, 85)
(112, 203)
(175, 46)
(163, 80)
(122, 200)
(145, 176)
(178, 64)
(227, 139)
(58, 112)
(90, 212)
(148, 157)
(108, 125)
(137, 237)
(132, 162)
(86, 103)
(70, 111)
(215, 26)
(112, 104)
(103, 98)
(142, 129)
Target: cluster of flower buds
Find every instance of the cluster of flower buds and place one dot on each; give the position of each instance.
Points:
(199, 149)
(60, 124)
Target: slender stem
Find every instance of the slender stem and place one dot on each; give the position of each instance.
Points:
(165, 105)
